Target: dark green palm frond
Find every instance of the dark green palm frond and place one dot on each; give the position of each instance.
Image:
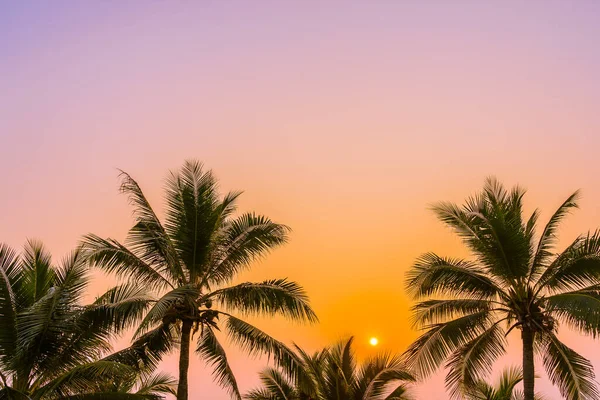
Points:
(260, 394)
(432, 274)
(158, 384)
(548, 238)
(274, 382)
(113, 257)
(84, 378)
(8, 312)
(438, 311)
(147, 351)
(169, 306)
(255, 342)
(571, 372)
(340, 371)
(276, 296)
(471, 362)
(121, 306)
(399, 393)
(148, 236)
(377, 374)
(509, 379)
(72, 276)
(580, 309)
(577, 267)
(39, 277)
(192, 215)
(310, 379)
(430, 350)
(491, 225)
(244, 240)
(211, 350)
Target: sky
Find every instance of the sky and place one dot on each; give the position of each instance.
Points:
(345, 120)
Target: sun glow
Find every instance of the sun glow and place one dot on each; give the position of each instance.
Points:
(373, 341)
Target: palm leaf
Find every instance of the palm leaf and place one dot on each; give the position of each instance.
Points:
(572, 373)
(211, 350)
(276, 296)
(113, 257)
(431, 275)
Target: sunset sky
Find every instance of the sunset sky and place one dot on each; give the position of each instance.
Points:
(343, 119)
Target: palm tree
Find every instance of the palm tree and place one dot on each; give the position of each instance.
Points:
(514, 280)
(334, 374)
(51, 344)
(186, 260)
(505, 389)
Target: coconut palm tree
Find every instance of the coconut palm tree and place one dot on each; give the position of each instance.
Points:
(51, 344)
(513, 281)
(334, 374)
(185, 262)
(505, 389)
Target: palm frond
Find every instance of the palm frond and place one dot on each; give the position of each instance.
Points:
(148, 237)
(211, 350)
(378, 373)
(192, 214)
(276, 296)
(276, 384)
(113, 257)
(549, 238)
(471, 362)
(256, 342)
(260, 394)
(438, 311)
(579, 308)
(84, 378)
(432, 274)
(8, 312)
(244, 240)
(571, 372)
(429, 351)
(157, 384)
(576, 267)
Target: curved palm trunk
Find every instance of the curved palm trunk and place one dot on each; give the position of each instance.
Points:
(528, 365)
(184, 361)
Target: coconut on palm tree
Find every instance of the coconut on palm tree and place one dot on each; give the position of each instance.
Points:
(334, 374)
(504, 389)
(514, 281)
(187, 260)
(51, 345)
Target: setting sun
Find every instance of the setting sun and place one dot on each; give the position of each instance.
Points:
(373, 341)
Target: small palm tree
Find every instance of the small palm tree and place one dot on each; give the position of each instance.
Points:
(185, 262)
(513, 281)
(334, 374)
(50, 344)
(505, 389)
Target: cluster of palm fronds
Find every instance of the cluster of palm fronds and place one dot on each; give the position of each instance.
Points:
(175, 275)
(334, 374)
(54, 347)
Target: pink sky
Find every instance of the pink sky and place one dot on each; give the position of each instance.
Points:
(343, 120)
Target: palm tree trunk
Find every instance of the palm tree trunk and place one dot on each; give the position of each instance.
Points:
(184, 360)
(528, 365)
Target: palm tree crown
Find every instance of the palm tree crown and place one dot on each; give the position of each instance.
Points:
(334, 374)
(50, 344)
(514, 280)
(187, 259)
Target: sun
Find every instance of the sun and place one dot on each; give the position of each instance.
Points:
(373, 341)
